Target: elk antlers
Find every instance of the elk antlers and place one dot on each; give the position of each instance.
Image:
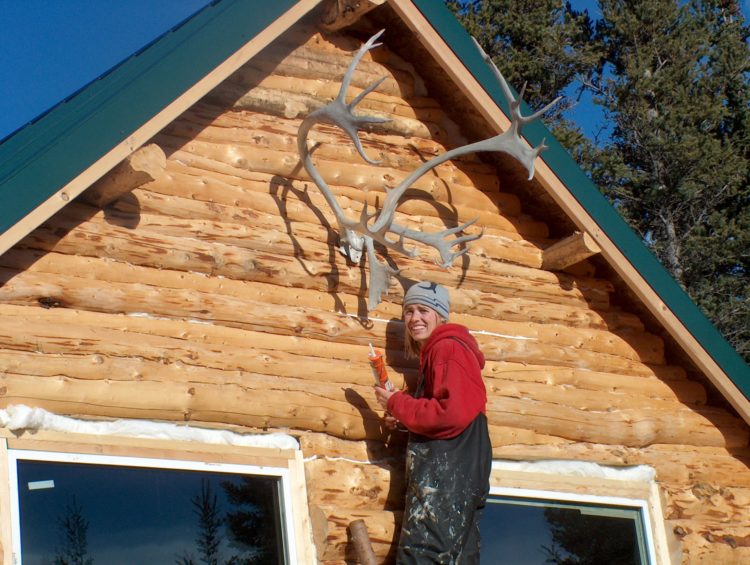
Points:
(359, 234)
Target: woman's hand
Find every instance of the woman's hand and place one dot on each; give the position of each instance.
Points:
(382, 395)
(390, 422)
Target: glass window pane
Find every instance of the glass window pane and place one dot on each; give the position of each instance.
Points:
(106, 514)
(534, 532)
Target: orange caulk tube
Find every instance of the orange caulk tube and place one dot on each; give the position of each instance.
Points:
(378, 369)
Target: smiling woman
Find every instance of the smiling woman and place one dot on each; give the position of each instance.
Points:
(449, 454)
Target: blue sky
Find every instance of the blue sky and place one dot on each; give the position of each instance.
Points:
(49, 49)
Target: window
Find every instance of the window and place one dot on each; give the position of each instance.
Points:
(526, 530)
(572, 512)
(103, 509)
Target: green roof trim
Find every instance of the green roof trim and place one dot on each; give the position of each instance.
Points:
(589, 196)
(45, 155)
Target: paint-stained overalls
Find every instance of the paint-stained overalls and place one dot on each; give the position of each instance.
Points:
(447, 487)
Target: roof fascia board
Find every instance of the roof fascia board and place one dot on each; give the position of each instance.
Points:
(51, 161)
(451, 45)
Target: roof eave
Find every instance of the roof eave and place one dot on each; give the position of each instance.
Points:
(51, 161)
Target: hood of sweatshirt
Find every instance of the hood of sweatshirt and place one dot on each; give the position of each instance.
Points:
(452, 331)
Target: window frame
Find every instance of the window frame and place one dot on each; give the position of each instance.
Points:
(286, 464)
(524, 480)
(641, 506)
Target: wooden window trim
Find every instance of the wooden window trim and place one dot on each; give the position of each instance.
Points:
(288, 461)
(638, 493)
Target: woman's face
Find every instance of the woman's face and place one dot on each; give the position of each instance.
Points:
(420, 321)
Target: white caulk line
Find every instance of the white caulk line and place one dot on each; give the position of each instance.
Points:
(475, 332)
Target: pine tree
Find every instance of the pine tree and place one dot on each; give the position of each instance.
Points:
(672, 77)
(677, 91)
(73, 528)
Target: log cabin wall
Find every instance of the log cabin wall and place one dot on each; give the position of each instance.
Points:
(213, 293)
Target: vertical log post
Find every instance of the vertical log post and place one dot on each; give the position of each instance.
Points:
(361, 541)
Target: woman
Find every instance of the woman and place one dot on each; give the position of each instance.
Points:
(449, 454)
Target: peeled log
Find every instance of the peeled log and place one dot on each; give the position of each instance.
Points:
(80, 293)
(462, 300)
(406, 154)
(348, 484)
(569, 251)
(249, 403)
(217, 157)
(631, 427)
(244, 188)
(139, 247)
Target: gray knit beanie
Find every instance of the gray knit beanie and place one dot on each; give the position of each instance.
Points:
(430, 294)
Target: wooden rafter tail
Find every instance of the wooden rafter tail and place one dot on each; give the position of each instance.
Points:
(569, 251)
(142, 166)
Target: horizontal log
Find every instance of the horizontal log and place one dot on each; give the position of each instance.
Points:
(255, 129)
(240, 187)
(674, 464)
(317, 445)
(631, 427)
(325, 65)
(349, 411)
(462, 300)
(68, 233)
(682, 390)
(272, 233)
(257, 401)
(205, 341)
(494, 243)
(290, 105)
(418, 117)
(582, 399)
(99, 342)
(540, 344)
(224, 158)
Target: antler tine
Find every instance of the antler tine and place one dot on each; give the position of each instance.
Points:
(504, 86)
(437, 240)
(538, 113)
(515, 104)
(370, 44)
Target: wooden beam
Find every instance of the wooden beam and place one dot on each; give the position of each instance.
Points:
(143, 166)
(339, 14)
(569, 251)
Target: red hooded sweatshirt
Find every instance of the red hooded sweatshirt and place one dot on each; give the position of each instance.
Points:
(453, 391)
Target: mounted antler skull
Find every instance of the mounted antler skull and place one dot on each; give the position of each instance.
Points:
(359, 234)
